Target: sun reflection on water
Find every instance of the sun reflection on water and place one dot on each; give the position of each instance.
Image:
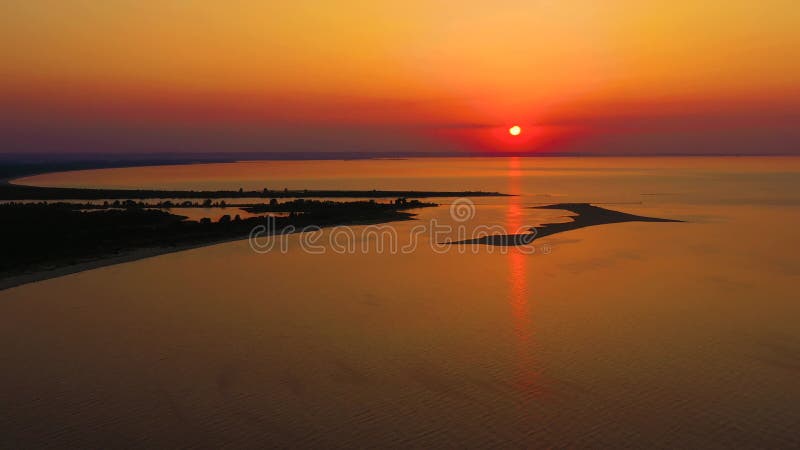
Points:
(527, 380)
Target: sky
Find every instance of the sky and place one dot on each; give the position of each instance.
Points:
(579, 76)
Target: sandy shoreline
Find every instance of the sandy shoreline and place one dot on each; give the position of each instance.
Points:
(103, 261)
(135, 255)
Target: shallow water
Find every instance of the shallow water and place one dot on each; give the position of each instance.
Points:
(633, 334)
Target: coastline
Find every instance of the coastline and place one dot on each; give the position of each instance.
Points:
(98, 262)
(11, 192)
(126, 256)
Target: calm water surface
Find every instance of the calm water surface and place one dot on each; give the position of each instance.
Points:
(634, 334)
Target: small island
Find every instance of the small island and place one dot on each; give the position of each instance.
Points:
(586, 215)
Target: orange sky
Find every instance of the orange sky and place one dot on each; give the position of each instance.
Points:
(613, 76)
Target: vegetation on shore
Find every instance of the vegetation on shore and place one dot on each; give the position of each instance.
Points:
(43, 236)
(49, 228)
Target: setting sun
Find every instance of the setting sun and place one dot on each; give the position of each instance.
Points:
(491, 287)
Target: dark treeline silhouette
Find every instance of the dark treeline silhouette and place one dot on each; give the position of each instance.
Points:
(38, 236)
(305, 205)
(272, 206)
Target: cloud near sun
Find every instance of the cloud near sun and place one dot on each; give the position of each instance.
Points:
(623, 76)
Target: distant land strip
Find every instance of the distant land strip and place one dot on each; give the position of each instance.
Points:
(10, 191)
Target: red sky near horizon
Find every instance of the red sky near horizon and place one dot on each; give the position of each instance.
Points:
(621, 76)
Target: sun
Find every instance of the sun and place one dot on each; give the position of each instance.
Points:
(515, 130)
